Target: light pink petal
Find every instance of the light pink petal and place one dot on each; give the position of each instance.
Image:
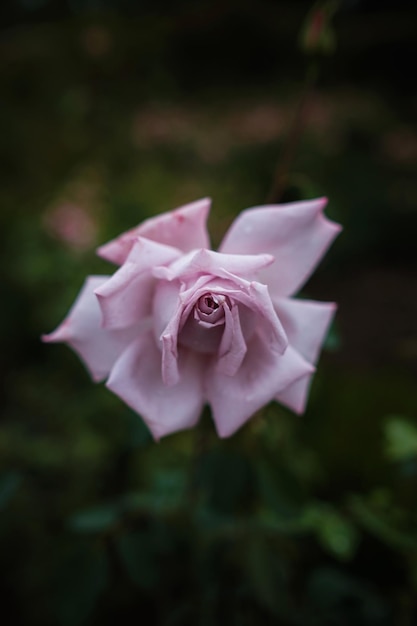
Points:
(215, 264)
(82, 331)
(295, 395)
(184, 228)
(201, 336)
(269, 324)
(306, 323)
(233, 347)
(126, 298)
(136, 379)
(167, 311)
(263, 374)
(166, 307)
(296, 234)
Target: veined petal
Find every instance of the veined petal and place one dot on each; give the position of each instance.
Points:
(136, 379)
(184, 228)
(126, 297)
(262, 375)
(81, 330)
(297, 234)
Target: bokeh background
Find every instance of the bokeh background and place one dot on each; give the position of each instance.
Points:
(115, 111)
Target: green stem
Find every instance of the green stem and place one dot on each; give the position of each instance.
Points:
(200, 444)
(283, 169)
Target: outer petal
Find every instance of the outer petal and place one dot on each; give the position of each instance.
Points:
(184, 228)
(261, 376)
(136, 379)
(296, 234)
(82, 331)
(126, 297)
(295, 395)
(306, 323)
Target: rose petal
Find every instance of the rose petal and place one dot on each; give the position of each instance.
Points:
(201, 336)
(233, 347)
(167, 311)
(295, 395)
(215, 264)
(81, 329)
(262, 375)
(296, 234)
(184, 228)
(126, 297)
(136, 379)
(306, 323)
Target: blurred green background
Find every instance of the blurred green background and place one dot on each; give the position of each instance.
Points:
(113, 112)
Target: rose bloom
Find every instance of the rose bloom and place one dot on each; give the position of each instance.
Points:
(179, 325)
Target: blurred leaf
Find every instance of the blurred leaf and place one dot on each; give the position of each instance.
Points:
(180, 614)
(226, 478)
(137, 552)
(342, 599)
(138, 433)
(279, 489)
(401, 438)
(266, 572)
(96, 519)
(165, 495)
(9, 482)
(336, 534)
(380, 527)
(78, 584)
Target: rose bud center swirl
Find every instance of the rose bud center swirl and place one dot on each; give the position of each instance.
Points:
(203, 329)
(209, 308)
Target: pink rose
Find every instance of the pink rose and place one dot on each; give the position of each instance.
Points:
(179, 325)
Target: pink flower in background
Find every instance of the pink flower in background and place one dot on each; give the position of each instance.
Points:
(73, 225)
(179, 325)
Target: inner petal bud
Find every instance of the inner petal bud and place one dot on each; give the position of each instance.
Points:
(209, 308)
(204, 327)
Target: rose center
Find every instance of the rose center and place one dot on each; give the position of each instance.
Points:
(209, 308)
(204, 327)
(210, 302)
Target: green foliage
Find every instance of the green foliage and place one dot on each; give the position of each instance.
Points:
(97, 519)
(81, 578)
(401, 438)
(138, 553)
(9, 482)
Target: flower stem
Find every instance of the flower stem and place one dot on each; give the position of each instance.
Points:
(200, 444)
(283, 169)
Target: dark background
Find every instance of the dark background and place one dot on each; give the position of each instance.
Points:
(115, 111)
